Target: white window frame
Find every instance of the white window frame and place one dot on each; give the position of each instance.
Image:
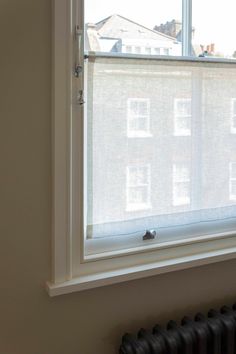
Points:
(177, 116)
(231, 180)
(71, 271)
(130, 207)
(233, 116)
(130, 116)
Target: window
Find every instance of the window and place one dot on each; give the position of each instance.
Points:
(174, 186)
(137, 50)
(128, 49)
(232, 181)
(233, 115)
(182, 116)
(166, 51)
(138, 187)
(148, 50)
(181, 184)
(157, 51)
(138, 117)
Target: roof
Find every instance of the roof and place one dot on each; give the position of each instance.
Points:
(117, 26)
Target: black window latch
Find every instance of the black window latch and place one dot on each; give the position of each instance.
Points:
(149, 235)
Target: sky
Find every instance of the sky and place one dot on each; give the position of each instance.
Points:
(213, 20)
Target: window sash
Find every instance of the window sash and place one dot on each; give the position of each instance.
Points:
(108, 233)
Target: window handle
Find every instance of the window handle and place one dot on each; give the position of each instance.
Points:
(149, 235)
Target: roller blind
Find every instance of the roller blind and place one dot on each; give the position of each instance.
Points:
(160, 148)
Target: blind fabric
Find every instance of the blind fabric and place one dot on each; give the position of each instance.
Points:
(161, 145)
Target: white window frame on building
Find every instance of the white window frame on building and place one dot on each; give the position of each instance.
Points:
(135, 118)
(233, 116)
(232, 180)
(138, 182)
(179, 117)
(73, 269)
(180, 180)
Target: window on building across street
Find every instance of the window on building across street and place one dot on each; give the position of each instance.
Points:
(142, 144)
(148, 50)
(138, 117)
(181, 184)
(157, 51)
(128, 49)
(137, 50)
(182, 116)
(138, 187)
(166, 51)
(232, 181)
(233, 115)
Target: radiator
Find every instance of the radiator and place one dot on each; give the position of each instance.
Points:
(211, 334)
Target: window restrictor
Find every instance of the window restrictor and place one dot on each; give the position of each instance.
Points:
(78, 52)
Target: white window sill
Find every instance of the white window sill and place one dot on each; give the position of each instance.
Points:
(140, 271)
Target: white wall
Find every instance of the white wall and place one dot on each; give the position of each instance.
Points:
(81, 323)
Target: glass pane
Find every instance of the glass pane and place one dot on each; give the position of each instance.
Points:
(182, 125)
(138, 124)
(133, 26)
(138, 175)
(214, 28)
(181, 173)
(183, 107)
(138, 195)
(181, 190)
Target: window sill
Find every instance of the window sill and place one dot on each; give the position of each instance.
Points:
(85, 282)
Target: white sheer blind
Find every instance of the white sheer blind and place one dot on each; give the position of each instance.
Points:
(161, 150)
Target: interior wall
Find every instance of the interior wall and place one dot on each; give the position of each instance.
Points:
(88, 322)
